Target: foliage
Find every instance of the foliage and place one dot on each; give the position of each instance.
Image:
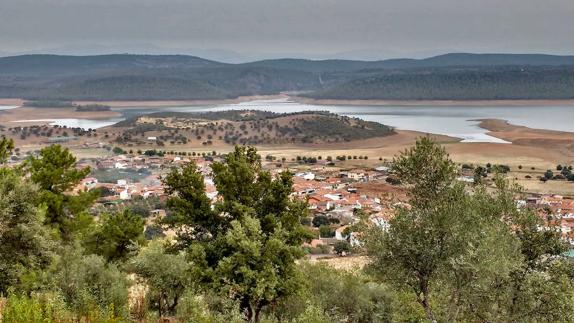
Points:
(117, 236)
(165, 275)
(6, 147)
(341, 247)
(88, 282)
(24, 241)
(426, 168)
(469, 254)
(35, 309)
(320, 220)
(54, 171)
(325, 231)
(246, 246)
(340, 296)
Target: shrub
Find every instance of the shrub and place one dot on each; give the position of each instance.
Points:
(326, 231)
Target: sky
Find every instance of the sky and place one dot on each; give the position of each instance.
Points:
(243, 30)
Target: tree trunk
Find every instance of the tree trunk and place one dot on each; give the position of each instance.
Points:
(454, 305)
(424, 300)
(258, 309)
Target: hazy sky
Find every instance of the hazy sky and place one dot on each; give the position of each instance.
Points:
(246, 29)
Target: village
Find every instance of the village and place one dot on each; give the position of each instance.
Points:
(342, 201)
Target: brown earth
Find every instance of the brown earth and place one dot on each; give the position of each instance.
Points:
(8, 117)
(179, 103)
(11, 102)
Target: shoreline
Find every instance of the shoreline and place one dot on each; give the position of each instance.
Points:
(180, 103)
(436, 103)
(302, 100)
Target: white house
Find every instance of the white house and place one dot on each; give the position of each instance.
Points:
(125, 194)
(119, 165)
(309, 176)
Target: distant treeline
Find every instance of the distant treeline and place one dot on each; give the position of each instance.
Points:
(93, 108)
(459, 84)
(48, 104)
(67, 104)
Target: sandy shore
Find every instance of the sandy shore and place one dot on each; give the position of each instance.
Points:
(505, 103)
(17, 102)
(7, 117)
(521, 135)
(181, 103)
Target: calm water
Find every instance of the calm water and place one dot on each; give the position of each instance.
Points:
(456, 121)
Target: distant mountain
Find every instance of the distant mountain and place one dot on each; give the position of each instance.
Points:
(163, 77)
(61, 65)
(447, 60)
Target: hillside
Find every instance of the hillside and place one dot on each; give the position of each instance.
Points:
(245, 127)
(446, 60)
(502, 83)
(180, 77)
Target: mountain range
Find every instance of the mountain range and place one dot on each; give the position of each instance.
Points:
(159, 77)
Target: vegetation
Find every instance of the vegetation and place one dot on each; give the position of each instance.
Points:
(457, 84)
(47, 80)
(248, 127)
(452, 244)
(92, 108)
(455, 253)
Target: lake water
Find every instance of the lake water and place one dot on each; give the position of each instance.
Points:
(455, 121)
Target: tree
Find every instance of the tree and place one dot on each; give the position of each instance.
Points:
(192, 216)
(117, 236)
(341, 247)
(24, 241)
(426, 249)
(325, 231)
(320, 220)
(246, 245)
(479, 174)
(55, 172)
(6, 148)
(474, 256)
(165, 274)
(548, 174)
(427, 170)
(88, 281)
(340, 296)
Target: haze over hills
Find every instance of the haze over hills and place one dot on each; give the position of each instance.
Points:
(458, 76)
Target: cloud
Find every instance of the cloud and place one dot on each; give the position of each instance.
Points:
(309, 27)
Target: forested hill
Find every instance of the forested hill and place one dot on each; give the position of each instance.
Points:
(505, 83)
(180, 77)
(446, 60)
(250, 127)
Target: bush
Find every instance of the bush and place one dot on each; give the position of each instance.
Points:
(37, 308)
(320, 220)
(87, 282)
(342, 247)
(393, 180)
(326, 232)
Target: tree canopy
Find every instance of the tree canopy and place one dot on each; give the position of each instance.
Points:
(247, 244)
